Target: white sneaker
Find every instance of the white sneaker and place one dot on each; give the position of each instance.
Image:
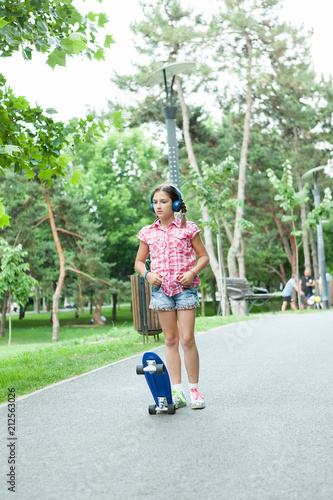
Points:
(178, 398)
(197, 400)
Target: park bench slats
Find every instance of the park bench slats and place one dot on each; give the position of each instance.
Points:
(239, 289)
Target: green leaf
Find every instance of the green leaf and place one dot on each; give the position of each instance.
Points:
(77, 36)
(102, 20)
(75, 179)
(46, 174)
(296, 233)
(51, 111)
(108, 41)
(73, 46)
(99, 55)
(57, 58)
(4, 220)
(118, 119)
(30, 174)
(92, 16)
(3, 22)
(21, 103)
(9, 150)
(27, 53)
(62, 161)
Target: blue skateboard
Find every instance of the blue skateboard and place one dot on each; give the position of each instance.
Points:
(158, 381)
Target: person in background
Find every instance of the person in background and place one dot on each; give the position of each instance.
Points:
(306, 287)
(320, 283)
(287, 292)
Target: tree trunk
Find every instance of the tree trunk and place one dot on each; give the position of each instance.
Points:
(283, 274)
(294, 250)
(203, 312)
(208, 237)
(305, 238)
(60, 283)
(91, 302)
(295, 253)
(3, 314)
(114, 307)
(98, 313)
(284, 238)
(236, 242)
(37, 301)
(10, 320)
(241, 259)
(289, 242)
(23, 308)
(213, 294)
(314, 255)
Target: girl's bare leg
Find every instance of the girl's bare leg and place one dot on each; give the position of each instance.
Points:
(186, 320)
(168, 320)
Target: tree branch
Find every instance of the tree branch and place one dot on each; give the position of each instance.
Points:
(273, 270)
(69, 232)
(43, 219)
(87, 275)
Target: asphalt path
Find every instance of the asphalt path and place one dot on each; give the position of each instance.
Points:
(266, 432)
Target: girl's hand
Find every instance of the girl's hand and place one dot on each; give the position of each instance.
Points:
(154, 279)
(186, 279)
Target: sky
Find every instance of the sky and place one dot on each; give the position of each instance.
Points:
(87, 83)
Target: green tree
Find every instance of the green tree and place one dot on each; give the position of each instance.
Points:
(34, 143)
(289, 199)
(54, 28)
(31, 141)
(119, 174)
(249, 37)
(66, 248)
(180, 35)
(212, 187)
(13, 277)
(295, 104)
(26, 207)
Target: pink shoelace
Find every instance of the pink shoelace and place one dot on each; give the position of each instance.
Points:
(196, 394)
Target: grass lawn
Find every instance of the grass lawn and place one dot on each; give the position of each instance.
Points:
(33, 361)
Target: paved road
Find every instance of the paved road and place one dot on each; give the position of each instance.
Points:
(266, 432)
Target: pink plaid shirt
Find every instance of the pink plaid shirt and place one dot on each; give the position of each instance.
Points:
(171, 252)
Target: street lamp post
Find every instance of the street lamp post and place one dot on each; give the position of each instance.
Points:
(161, 76)
(320, 238)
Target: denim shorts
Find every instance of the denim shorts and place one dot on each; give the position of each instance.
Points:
(187, 299)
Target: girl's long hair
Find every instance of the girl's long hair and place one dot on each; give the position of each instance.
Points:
(173, 194)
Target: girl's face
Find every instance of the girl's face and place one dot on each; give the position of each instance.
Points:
(162, 205)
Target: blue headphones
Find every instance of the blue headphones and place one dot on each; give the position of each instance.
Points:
(176, 205)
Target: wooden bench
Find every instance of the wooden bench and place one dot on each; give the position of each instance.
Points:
(239, 289)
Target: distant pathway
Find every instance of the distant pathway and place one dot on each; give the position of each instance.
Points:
(266, 433)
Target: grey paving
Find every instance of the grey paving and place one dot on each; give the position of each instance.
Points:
(266, 432)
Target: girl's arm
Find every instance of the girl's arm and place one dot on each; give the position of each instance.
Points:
(140, 265)
(203, 259)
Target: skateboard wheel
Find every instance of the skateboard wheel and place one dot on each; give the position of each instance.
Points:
(152, 410)
(172, 409)
(160, 369)
(139, 370)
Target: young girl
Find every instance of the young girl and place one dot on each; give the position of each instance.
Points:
(173, 244)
